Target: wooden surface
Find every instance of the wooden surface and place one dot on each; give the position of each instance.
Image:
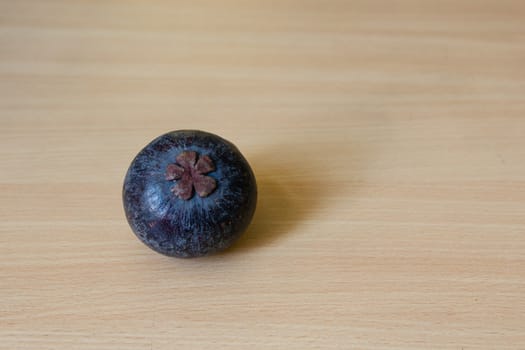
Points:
(388, 140)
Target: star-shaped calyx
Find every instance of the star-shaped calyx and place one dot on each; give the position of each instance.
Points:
(190, 173)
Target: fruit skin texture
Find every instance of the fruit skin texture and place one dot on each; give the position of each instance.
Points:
(200, 225)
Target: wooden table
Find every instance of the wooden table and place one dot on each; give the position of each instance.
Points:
(387, 137)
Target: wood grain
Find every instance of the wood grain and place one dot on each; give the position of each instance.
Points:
(388, 140)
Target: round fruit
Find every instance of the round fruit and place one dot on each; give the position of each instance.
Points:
(189, 193)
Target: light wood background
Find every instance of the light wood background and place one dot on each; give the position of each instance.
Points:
(387, 137)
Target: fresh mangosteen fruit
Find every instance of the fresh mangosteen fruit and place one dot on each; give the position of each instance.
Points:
(189, 193)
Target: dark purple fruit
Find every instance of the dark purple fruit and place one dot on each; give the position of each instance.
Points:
(189, 193)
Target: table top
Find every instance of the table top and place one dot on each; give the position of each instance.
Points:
(387, 139)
